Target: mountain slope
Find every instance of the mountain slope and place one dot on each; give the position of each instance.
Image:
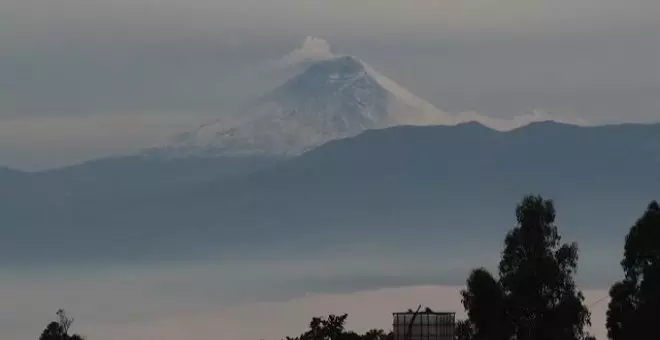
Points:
(421, 186)
(332, 99)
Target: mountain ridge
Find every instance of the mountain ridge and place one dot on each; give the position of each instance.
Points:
(447, 183)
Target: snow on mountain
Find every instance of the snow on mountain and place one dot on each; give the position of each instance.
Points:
(410, 109)
(332, 99)
(335, 97)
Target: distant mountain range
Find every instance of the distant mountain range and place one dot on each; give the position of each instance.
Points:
(338, 153)
(424, 187)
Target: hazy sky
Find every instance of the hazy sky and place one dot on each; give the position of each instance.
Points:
(141, 70)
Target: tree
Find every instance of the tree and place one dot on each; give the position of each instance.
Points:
(53, 332)
(535, 297)
(375, 334)
(635, 301)
(464, 330)
(59, 330)
(332, 328)
(484, 302)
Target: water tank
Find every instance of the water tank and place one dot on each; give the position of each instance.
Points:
(426, 325)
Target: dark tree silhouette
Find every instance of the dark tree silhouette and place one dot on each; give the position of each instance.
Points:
(635, 301)
(484, 301)
(59, 330)
(464, 330)
(332, 328)
(535, 297)
(375, 334)
(53, 332)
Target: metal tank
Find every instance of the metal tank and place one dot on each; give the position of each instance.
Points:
(424, 325)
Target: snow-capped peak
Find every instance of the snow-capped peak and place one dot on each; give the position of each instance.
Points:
(335, 97)
(332, 99)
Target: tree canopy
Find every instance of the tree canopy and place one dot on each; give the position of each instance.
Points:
(485, 303)
(59, 330)
(635, 301)
(535, 296)
(332, 328)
